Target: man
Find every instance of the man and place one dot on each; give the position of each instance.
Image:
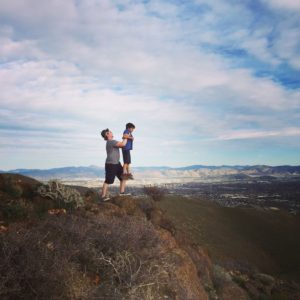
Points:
(113, 166)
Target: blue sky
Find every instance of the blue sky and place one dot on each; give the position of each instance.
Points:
(206, 81)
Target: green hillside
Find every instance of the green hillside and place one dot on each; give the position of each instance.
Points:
(267, 240)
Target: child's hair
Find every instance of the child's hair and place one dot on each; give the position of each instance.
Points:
(130, 125)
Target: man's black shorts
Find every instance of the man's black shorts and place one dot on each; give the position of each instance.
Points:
(126, 156)
(111, 171)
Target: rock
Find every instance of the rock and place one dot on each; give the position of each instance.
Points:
(227, 289)
(220, 275)
(57, 211)
(156, 216)
(201, 261)
(253, 290)
(185, 281)
(265, 278)
(3, 229)
(274, 208)
(231, 291)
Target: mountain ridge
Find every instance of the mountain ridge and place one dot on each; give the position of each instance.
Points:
(192, 171)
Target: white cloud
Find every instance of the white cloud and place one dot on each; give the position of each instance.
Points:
(76, 67)
(288, 44)
(286, 4)
(251, 134)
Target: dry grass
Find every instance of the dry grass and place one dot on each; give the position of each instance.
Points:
(73, 257)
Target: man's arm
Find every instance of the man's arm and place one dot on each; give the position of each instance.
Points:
(121, 144)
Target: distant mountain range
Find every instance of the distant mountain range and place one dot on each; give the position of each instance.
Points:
(195, 171)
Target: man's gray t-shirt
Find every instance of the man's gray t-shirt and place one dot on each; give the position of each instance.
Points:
(113, 153)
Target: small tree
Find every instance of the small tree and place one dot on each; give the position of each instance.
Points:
(155, 192)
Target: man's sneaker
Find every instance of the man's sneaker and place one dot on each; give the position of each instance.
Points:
(125, 194)
(105, 198)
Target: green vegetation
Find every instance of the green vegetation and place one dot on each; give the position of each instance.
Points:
(13, 211)
(63, 196)
(25, 198)
(11, 187)
(240, 238)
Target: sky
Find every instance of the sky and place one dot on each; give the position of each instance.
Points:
(211, 82)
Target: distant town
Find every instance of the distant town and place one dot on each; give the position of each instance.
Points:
(260, 187)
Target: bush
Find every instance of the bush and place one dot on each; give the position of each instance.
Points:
(14, 190)
(220, 276)
(13, 211)
(146, 206)
(155, 192)
(92, 196)
(74, 257)
(65, 197)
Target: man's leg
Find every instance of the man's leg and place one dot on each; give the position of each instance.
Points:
(104, 190)
(122, 181)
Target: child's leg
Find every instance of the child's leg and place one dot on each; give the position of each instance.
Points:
(129, 162)
(122, 186)
(130, 176)
(124, 165)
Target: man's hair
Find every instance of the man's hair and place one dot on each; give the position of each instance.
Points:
(130, 125)
(104, 132)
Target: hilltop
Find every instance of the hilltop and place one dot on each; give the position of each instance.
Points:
(60, 242)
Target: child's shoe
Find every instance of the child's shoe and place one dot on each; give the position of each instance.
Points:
(130, 176)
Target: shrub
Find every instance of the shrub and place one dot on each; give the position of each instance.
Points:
(13, 211)
(155, 192)
(146, 206)
(14, 191)
(74, 257)
(64, 196)
(92, 196)
(240, 280)
(12, 188)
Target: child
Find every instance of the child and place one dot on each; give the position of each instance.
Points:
(127, 134)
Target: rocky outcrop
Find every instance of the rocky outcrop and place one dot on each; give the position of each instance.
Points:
(184, 279)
